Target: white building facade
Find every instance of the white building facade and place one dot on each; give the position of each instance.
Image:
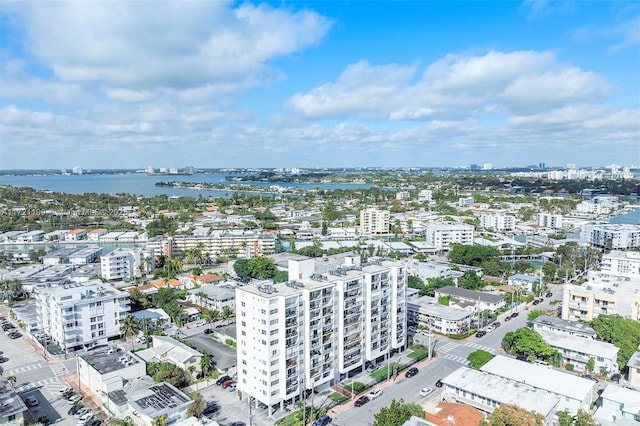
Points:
(77, 315)
(442, 235)
(374, 222)
(612, 236)
(498, 222)
(318, 328)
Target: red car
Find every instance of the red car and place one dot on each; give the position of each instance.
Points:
(228, 383)
(361, 401)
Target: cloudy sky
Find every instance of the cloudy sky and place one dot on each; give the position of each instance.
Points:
(329, 84)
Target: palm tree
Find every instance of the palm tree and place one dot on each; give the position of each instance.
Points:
(211, 316)
(129, 327)
(227, 314)
(205, 364)
(201, 295)
(160, 421)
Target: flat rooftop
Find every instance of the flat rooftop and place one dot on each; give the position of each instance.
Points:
(431, 306)
(158, 398)
(580, 344)
(567, 326)
(502, 390)
(10, 402)
(109, 359)
(470, 294)
(540, 377)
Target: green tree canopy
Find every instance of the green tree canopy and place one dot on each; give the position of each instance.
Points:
(262, 267)
(473, 255)
(527, 342)
(471, 281)
(511, 415)
(241, 268)
(479, 358)
(396, 414)
(167, 372)
(622, 332)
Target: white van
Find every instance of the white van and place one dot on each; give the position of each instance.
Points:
(541, 363)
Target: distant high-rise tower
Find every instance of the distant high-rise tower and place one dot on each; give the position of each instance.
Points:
(77, 170)
(487, 166)
(151, 170)
(542, 166)
(188, 170)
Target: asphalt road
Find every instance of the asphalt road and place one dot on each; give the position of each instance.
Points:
(451, 355)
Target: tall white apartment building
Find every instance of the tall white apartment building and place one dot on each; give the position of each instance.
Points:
(612, 236)
(374, 222)
(77, 316)
(442, 235)
(498, 222)
(549, 220)
(322, 326)
(123, 263)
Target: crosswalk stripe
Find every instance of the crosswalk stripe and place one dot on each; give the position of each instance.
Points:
(32, 385)
(59, 369)
(477, 346)
(456, 358)
(24, 368)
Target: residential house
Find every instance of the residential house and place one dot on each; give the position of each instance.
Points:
(167, 349)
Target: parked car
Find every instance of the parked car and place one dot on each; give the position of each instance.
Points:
(481, 333)
(15, 335)
(80, 413)
(3, 359)
(548, 294)
(222, 379)
(536, 302)
(361, 401)
(208, 331)
(589, 377)
(411, 372)
(74, 409)
(64, 391)
(374, 393)
(232, 387)
(44, 420)
(507, 318)
(323, 421)
(513, 315)
(74, 399)
(616, 377)
(522, 358)
(31, 401)
(211, 408)
(439, 383)
(238, 424)
(228, 383)
(425, 391)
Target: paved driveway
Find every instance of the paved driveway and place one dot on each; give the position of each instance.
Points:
(224, 356)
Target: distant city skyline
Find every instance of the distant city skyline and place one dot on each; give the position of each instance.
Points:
(223, 84)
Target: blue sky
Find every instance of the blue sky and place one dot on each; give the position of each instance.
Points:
(318, 84)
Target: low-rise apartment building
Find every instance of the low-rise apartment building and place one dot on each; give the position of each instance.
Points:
(81, 316)
(479, 300)
(12, 408)
(443, 235)
(578, 351)
(498, 222)
(633, 366)
(602, 294)
(549, 220)
(167, 349)
(428, 312)
(218, 243)
(559, 325)
(326, 323)
(486, 392)
(574, 392)
(124, 263)
(107, 369)
(612, 236)
(621, 263)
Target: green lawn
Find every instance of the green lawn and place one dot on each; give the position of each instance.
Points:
(338, 398)
(380, 373)
(418, 352)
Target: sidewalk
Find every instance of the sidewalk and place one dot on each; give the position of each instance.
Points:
(338, 409)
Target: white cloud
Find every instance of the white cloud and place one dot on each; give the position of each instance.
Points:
(362, 90)
(175, 45)
(454, 86)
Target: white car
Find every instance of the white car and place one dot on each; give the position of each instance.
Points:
(374, 393)
(425, 391)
